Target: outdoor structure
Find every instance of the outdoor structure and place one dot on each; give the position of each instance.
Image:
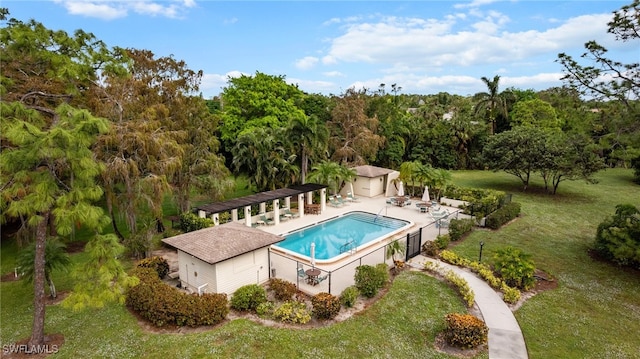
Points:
(280, 199)
(223, 258)
(370, 181)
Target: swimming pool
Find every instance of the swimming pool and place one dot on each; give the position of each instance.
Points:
(341, 236)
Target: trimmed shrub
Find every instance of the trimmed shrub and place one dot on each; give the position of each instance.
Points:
(283, 290)
(190, 222)
(515, 267)
(452, 258)
(503, 215)
(265, 309)
(349, 296)
(443, 240)
(369, 280)
(460, 227)
(248, 297)
(618, 237)
(465, 330)
(431, 248)
(162, 305)
(159, 264)
(292, 312)
(509, 294)
(325, 305)
(462, 286)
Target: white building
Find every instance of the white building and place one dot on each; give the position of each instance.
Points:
(223, 258)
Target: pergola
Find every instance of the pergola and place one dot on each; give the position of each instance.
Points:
(212, 210)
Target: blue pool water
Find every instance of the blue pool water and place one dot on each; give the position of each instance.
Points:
(341, 234)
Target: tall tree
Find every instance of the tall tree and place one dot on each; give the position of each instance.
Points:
(354, 137)
(48, 169)
(263, 154)
(145, 151)
(518, 152)
(491, 103)
(48, 177)
(309, 136)
(604, 78)
(536, 113)
(258, 101)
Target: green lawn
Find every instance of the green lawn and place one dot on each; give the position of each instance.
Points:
(594, 312)
(403, 324)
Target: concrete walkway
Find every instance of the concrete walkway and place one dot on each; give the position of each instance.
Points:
(505, 337)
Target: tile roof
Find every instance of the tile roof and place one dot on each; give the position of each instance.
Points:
(219, 243)
(371, 171)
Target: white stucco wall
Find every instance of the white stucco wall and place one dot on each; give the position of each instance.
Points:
(249, 268)
(195, 272)
(226, 276)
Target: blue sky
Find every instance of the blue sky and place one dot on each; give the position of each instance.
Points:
(424, 47)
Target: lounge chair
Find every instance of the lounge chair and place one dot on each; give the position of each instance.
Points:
(284, 217)
(334, 203)
(265, 220)
(351, 198)
(288, 212)
(341, 200)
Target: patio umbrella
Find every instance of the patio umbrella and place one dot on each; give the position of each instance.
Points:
(313, 254)
(400, 189)
(425, 195)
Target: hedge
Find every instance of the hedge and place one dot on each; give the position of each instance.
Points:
(503, 215)
(163, 305)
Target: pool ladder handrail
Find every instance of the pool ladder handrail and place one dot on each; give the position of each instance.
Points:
(344, 246)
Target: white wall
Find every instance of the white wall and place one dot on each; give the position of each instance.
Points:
(195, 272)
(226, 276)
(249, 268)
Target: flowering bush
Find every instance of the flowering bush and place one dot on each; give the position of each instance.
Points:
(325, 305)
(292, 312)
(465, 330)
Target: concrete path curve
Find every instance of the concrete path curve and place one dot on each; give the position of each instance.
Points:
(505, 337)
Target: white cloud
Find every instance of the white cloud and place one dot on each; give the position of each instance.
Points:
(312, 86)
(333, 74)
(105, 11)
(214, 83)
(232, 20)
(112, 9)
(424, 43)
(306, 63)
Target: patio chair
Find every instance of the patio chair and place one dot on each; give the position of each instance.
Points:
(341, 200)
(301, 273)
(265, 220)
(334, 203)
(351, 198)
(321, 278)
(287, 211)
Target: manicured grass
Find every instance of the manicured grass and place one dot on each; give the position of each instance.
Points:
(402, 324)
(595, 311)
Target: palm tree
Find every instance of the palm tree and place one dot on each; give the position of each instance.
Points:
(55, 256)
(491, 102)
(310, 137)
(408, 173)
(260, 153)
(332, 174)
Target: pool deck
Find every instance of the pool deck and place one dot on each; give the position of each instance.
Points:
(374, 205)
